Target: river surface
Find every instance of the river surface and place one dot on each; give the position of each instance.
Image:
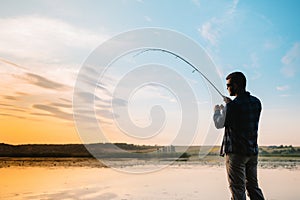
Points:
(179, 181)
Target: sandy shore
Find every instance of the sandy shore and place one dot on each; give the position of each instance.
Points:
(174, 182)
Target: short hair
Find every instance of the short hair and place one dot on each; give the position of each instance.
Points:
(237, 78)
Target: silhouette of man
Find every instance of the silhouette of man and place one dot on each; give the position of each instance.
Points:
(240, 117)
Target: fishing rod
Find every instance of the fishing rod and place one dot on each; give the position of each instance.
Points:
(187, 62)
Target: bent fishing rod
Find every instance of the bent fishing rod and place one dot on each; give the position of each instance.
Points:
(187, 62)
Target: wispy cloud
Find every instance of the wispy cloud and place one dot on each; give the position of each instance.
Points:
(256, 75)
(213, 28)
(40, 89)
(9, 97)
(43, 82)
(285, 95)
(283, 87)
(211, 31)
(32, 106)
(8, 62)
(44, 39)
(196, 2)
(284, 90)
(272, 43)
(291, 61)
(148, 19)
(53, 111)
(12, 115)
(254, 60)
(254, 66)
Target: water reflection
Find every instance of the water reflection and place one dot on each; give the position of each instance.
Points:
(175, 182)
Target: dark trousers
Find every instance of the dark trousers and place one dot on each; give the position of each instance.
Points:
(242, 175)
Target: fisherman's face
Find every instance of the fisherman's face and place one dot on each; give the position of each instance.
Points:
(231, 87)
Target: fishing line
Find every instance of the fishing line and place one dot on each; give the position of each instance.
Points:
(184, 60)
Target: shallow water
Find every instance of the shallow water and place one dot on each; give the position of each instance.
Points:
(173, 182)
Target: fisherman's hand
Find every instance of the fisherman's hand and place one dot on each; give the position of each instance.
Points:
(227, 99)
(217, 107)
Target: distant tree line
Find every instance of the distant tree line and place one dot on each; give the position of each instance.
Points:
(281, 150)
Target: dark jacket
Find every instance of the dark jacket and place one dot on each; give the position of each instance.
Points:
(241, 125)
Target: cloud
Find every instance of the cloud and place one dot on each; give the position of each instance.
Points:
(254, 60)
(232, 8)
(11, 102)
(63, 105)
(148, 19)
(43, 82)
(291, 61)
(254, 66)
(47, 49)
(213, 28)
(196, 3)
(53, 111)
(283, 87)
(272, 43)
(285, 95)
(10, 97)
(11, 115)
(119, 102)
(20, 104)
(12, 63)
(38, 90)
(44, 39)
(256, 75)
(5, 104)
(210, 31)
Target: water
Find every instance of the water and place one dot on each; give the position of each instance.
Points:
(182, 181)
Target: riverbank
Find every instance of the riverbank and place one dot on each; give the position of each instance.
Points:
(210, 160)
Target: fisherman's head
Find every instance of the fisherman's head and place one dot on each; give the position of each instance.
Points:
(236, 83)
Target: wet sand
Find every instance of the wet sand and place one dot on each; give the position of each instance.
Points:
(179, 181)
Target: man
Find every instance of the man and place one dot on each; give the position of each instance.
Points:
(240, 118)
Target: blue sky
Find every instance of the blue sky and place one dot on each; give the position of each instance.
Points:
(44, 43)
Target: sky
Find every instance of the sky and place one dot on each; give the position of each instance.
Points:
(45, 44)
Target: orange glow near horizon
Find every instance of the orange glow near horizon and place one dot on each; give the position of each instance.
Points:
(25, 131)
